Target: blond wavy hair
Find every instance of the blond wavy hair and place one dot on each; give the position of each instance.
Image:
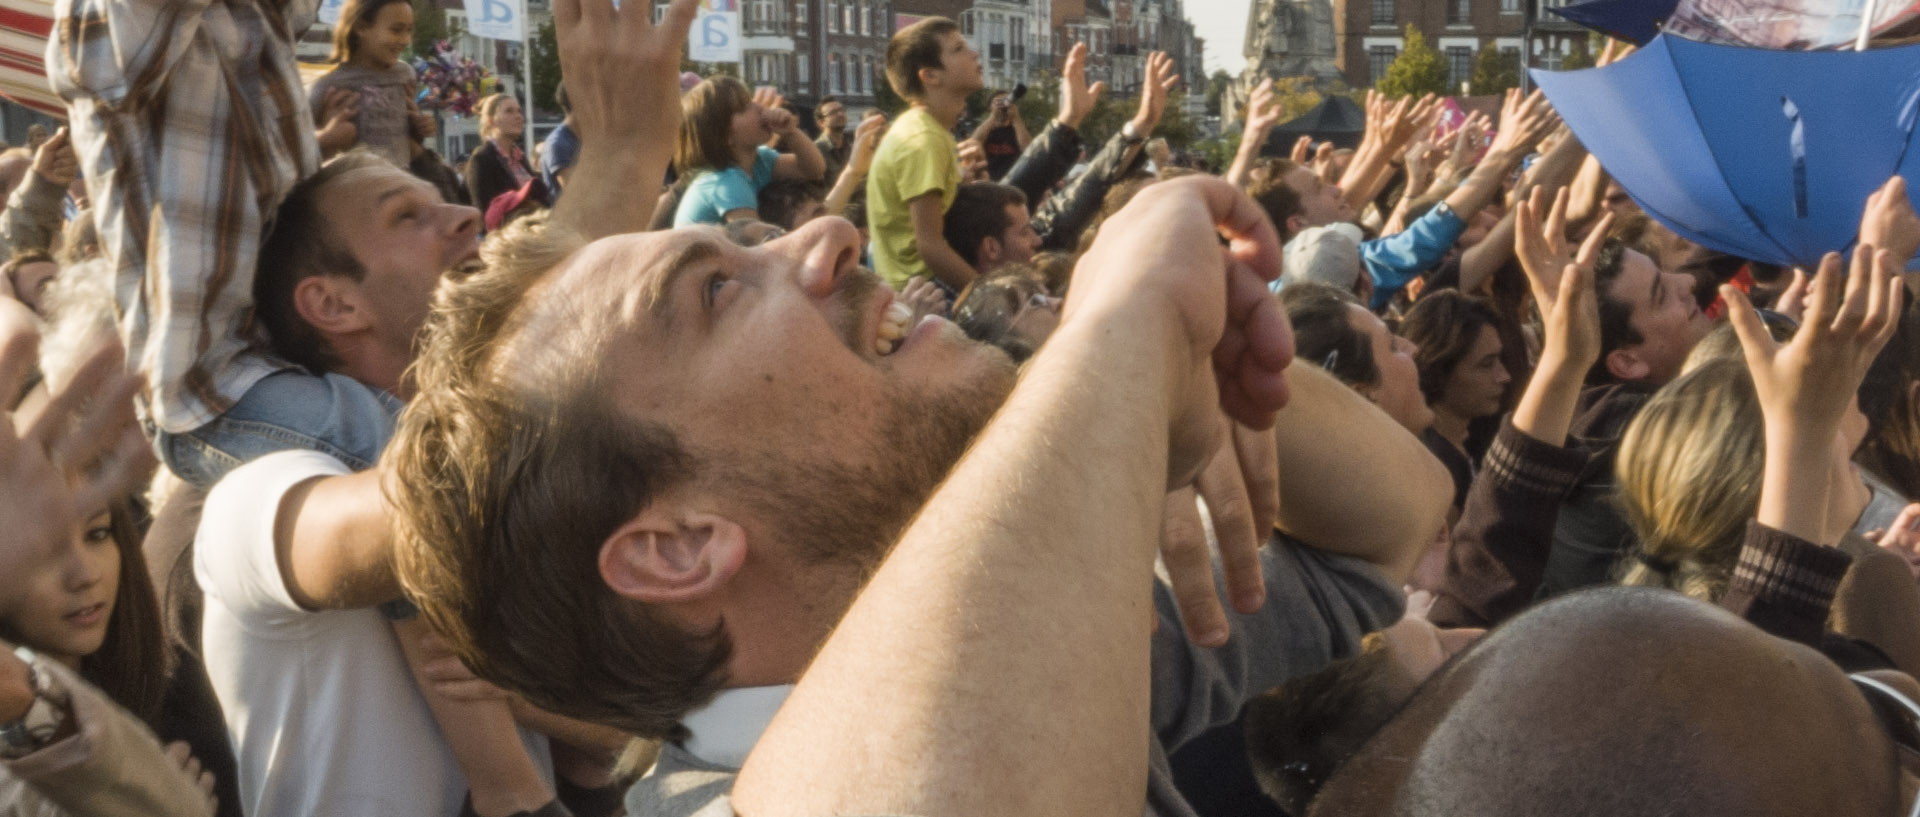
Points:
(509, 471)
(1689, 470)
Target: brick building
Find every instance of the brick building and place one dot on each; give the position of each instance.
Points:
(1369, 34)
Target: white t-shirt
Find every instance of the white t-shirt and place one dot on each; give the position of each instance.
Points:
(324, 713)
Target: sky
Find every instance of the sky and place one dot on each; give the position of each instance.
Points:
(1224, 25)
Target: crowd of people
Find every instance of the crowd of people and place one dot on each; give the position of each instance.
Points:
(697, 465)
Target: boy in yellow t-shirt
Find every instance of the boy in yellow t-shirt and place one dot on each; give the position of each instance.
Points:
(916, 172)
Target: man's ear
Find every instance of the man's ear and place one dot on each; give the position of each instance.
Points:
(989, 252)
(1626, 365)
(1295, 223)
(929, 77)
(331, 304)
(663, 557)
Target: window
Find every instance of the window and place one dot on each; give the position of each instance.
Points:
(1019, 40)
(1459, 66)
(1512, 56)
(846, 16)
(800, 17)
(861, 19)
(861, 70)
(966, 23)
(833, 73)
(800, 65)
(1378, 58)
(1459, 12)
(1509, 6)
(1383, 12)
(833, 16)
(996, 37)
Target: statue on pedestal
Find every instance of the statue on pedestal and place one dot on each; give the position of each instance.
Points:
(1290, 38)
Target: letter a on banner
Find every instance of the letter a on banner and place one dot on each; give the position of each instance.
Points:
(716, 32)
(497, 19)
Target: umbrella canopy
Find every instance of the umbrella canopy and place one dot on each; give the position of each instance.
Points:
(1768, 155)
(1636, 21)
(24, 27)
(1336, 119)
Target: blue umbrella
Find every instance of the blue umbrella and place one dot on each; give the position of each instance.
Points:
(1636, 21)
(1767, 155)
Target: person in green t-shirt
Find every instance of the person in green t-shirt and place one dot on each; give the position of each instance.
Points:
(916, 173)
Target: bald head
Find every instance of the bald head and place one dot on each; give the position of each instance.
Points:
(1627, 702)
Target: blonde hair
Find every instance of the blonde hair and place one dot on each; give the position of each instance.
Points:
(1689, 470)
(488, 107)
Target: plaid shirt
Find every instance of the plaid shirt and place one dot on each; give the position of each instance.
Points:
(191, 126)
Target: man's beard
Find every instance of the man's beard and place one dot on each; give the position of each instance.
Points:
(850, 509)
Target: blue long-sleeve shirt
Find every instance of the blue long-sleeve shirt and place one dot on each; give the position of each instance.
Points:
(1392, 261)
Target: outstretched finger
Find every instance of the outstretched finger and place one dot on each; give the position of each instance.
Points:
(1597, 238)
(1189, 564)
(1756, 345)
(1224, 489)
(1891, 300)
(1824, 296)
(678, 21)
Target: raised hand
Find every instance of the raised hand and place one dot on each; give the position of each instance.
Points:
(973, 161)
(1806, 385)
(1077, 98)
(866, 141)
(1302, 150)
(1811, 380)
(55, 161)
(75, 455)
(1154, 91)
(1263, 111)
(1523, 121)
(1542, 247)
(925, 299)
(1889, 221)
(1903, 537)
(623, 75)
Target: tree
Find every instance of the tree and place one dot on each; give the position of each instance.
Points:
(1294, 96)
(430, 25)
(546, 68)
(1494, 71)
(886, 100)
(1418, 70)
(1576, 60)
(1217, 86)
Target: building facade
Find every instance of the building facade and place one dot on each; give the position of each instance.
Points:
(1369, 34)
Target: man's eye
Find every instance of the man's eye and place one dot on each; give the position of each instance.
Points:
(713, 287)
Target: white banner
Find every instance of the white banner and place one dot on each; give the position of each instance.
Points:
(497, 19)
(715, 37)
(330, 11)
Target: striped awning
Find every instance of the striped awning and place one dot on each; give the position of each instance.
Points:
(25, 26)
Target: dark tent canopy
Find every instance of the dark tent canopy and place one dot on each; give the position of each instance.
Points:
(1336, 119)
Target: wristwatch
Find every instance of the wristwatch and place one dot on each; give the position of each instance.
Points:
(44, 718)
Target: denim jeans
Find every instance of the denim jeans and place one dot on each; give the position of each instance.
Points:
(333, 414)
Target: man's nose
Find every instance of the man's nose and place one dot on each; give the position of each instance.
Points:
(461, 218)
(823, 249)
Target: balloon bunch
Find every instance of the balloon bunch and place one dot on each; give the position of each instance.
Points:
(451, 82)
